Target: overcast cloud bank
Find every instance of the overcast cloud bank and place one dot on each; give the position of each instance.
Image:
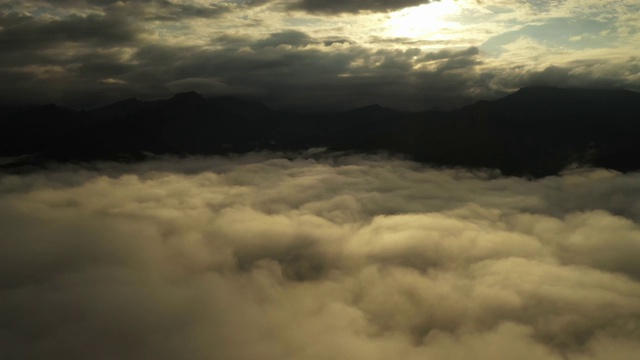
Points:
(353, 257)
(406, 54)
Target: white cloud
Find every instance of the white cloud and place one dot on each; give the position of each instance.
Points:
(257, 256)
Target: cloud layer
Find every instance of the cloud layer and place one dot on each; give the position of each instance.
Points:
(350, 257)
(413, 55)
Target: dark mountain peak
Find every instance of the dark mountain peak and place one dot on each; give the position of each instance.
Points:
(237, 101)
(11, 110)
(185, 97)
(183, 102)
(530, 93)
(535, 90)
(49, 109)
(128, 101)
(117, 109)
(228, 98)
(373, 109)
(536, 131)
(536, 100)
(588, 94)
(238, 105)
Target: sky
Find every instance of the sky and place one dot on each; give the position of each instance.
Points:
(313, 54)
(279, 257)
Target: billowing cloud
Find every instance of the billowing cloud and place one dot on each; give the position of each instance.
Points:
(269, 256)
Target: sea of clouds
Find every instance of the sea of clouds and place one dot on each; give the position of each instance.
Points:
(264, 256)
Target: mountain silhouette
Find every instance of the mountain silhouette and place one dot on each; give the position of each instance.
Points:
(533, 132)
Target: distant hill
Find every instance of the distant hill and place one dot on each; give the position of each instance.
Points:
(533, 132)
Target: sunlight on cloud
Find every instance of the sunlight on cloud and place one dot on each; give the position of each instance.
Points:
(425, 21)
(346, 257)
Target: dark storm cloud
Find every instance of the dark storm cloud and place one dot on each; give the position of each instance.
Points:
(286, 69)
(337, 40)
(101, 66)
(292, 37)
(80, 2)
(149, 9)
(343, 77)
(27, 32)
(87, 58)
(63, 60)
(450, 54)
(170, 11)
(342, 257)
(354, 6)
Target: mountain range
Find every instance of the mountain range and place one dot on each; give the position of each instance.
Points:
(534, 132)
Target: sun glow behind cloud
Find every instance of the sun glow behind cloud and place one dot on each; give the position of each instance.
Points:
(425, 21)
